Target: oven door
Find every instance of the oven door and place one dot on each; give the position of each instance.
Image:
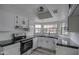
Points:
(26, 45)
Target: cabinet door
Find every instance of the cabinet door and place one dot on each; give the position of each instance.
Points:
(1, 51)
(35, 42)
(50, 43)
(46, 43)
(40, 42)
(60, 50)
(12, 49)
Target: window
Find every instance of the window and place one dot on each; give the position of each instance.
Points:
(52, 28)
(38, 28)
(46, 28)
(64, 29)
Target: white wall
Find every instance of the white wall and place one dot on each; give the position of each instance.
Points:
(28, 11)
(7, 19)
(5, 36)
(7, 24)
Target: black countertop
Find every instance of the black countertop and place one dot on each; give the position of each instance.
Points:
(6, 43)
(68, 46)
(9, 42)
(47, 36)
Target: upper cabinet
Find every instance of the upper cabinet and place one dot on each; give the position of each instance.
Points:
(73, 24)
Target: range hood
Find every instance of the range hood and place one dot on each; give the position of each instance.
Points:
(42, 12)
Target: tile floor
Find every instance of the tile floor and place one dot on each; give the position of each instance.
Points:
(59, 51)
(43, 51)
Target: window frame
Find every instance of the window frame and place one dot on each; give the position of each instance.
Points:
(37, 28)
(64, 29)
(52, 28)
(47, 30)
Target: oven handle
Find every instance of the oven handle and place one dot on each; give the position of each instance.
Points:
(25, 41)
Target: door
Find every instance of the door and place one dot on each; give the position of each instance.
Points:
(35, 43)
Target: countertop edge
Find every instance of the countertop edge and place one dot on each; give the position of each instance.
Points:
(68, 46)
(31, 37)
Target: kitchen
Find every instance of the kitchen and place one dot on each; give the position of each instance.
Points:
(39, 29)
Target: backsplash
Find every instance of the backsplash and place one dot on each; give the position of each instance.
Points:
(5, 36)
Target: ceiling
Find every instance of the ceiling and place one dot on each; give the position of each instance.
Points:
(76, 11)
(30, 9)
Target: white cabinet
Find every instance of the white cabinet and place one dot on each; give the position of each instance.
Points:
(73, 23)
(43, 42)
(13, 49)
(1, 51)
(35, 43)
(46, 43)
(60, 50)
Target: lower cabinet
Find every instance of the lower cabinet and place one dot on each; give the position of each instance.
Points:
(1, 51)
(35, 43)
(46, 43)
(66, 51)
(13, 49)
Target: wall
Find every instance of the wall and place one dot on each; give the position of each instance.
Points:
(28, 11)
(5, 36)
(7, 19)
(75, 37)
(7, 24)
